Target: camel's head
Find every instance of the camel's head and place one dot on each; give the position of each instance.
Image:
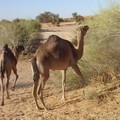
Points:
(5, 47)
(18, 48)
(83, 29)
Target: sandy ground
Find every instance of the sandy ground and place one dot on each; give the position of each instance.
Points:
(21, 105)
(66, 30)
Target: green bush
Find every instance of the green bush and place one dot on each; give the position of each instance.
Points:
(20, 31)
(102, 48)
(48, 17)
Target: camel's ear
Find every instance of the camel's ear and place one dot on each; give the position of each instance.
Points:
(12, 47)
(83, 27)
(86, 27)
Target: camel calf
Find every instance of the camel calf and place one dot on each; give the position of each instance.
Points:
(8, 62)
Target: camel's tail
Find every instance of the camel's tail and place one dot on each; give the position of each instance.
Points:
(35, 69)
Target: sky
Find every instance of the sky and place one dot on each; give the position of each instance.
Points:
(29, 9)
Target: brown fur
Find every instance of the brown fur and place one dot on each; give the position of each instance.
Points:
(56, 54)
(8, 62)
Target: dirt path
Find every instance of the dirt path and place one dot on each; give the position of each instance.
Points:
(21, 106)
(66, 30)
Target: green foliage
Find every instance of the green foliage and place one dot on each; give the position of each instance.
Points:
(47, 17)
(19, 31)
(102, 49)
(55, 20)
(77, 18)
(68, 20)
(101, 58)
(5, 32)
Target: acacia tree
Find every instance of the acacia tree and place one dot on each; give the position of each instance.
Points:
(48, 17)
(77, 18)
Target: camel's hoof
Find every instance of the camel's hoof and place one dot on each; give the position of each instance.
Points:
(46, 109)
(13, 88)
(39, 108)
(2, 104)
(63, 99)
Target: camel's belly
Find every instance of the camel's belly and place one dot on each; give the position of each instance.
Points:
(58, 65)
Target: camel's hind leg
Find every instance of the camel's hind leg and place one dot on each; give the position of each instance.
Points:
(35, 86)
(43, 78)
(41, 88)
(15, 72)
(8, 73)
(2, 91)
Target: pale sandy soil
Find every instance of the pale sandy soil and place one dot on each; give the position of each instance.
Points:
(21, 105)
(66, 30)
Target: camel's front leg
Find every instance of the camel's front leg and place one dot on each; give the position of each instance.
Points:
(63, 84)
(15, 72)
(78, 72)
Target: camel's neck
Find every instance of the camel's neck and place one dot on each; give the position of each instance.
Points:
(16, 54)
(80, 45)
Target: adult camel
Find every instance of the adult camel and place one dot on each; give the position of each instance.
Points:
(56, 54)
(8, 62)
